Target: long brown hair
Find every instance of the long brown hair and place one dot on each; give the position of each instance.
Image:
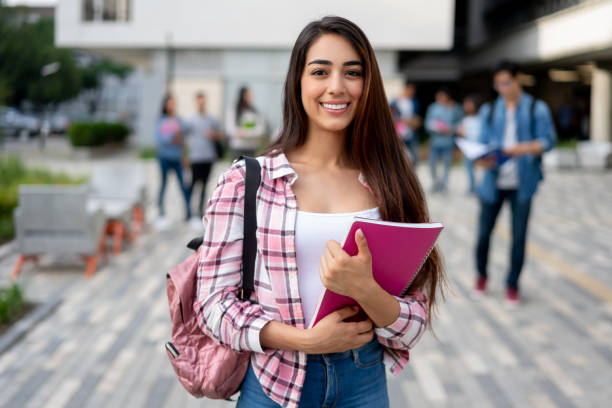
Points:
(371, 142)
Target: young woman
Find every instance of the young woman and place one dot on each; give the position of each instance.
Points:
(244, 126)
(338, 155)
(169, 137)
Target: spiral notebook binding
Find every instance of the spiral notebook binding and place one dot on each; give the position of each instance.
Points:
(405, 291)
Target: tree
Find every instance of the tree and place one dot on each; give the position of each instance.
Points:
(26, 47)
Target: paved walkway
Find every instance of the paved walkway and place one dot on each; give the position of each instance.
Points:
(103, 345)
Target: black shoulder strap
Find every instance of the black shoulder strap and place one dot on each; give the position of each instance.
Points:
(249, 247)
(532, 117)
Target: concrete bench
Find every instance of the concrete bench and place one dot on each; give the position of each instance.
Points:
(56, 219)
(119, 190)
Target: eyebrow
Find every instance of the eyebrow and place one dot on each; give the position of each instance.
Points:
(327, 62)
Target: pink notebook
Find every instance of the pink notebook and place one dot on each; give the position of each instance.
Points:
(398, 252)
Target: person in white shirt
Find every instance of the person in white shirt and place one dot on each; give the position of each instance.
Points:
(244, 126)
(469, 128)
(204, 132)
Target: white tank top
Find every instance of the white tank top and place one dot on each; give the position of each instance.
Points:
(312, 231)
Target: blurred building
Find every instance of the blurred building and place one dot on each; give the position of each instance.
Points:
(218, 46)
(565, 47)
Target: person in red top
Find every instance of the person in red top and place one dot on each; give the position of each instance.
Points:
(337, 156)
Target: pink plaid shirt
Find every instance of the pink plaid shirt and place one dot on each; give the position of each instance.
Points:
(237, 324)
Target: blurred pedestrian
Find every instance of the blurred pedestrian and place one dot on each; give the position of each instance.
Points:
(244, 126)
(405, 110)
(523, 126)
(204, 131)
(469, 128)
(441, 122)
(169, 136)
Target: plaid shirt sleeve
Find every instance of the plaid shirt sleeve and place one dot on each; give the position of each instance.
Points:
(222, 315)
(408, 328)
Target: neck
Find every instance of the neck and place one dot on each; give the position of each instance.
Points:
(323, 148)
(512, 100)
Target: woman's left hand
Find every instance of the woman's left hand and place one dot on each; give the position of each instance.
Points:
(344, 274)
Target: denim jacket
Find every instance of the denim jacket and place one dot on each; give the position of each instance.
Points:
(529, 166)
(450, 115)
(165, 129)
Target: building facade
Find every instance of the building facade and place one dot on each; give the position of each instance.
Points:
(190, 45)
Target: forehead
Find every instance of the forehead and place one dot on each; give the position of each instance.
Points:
(502, 76)
(332, 47)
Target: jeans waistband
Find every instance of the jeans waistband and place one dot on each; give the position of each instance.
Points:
(345, 354)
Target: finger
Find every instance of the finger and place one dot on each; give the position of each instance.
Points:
(366, 337)
(362, 245)
(345, 312)
(335, 249)
(364, 326)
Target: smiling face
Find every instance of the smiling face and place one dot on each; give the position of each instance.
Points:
(331, 83)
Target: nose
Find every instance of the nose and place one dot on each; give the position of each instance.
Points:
(336, 83)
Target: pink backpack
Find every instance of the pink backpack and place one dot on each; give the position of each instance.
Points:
(205, 367)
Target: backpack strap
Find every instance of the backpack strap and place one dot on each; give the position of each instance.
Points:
(532, 117)
(249, 247)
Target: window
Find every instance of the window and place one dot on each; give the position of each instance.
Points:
(106, 10)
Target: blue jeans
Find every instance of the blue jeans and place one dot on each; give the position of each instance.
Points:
(435, 154)
(355, 378)
(165, 166)
(469, 167)
(488, 216)
(413, 147)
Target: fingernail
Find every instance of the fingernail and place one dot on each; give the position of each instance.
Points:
(360, 233)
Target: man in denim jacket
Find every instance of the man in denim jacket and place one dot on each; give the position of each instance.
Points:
(523, 127)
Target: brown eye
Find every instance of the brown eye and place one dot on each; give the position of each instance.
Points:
(319, 72)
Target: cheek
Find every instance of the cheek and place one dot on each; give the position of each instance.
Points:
(355, 89)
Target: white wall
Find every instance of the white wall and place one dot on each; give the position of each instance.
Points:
(389, 24)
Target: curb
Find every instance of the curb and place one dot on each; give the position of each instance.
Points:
(23, 326)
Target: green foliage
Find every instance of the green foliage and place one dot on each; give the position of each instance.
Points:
(147, 153)
(569, 144)
(11, 303)
(13, 173)
(96, 133)
(26, 47)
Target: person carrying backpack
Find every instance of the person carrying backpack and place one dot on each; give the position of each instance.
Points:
(524, 128)
(337, 156)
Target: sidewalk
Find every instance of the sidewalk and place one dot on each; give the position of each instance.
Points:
(103, 346)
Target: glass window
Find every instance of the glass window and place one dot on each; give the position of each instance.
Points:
(106, 10)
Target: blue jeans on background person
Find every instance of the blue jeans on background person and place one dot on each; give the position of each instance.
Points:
(354, 378)
(413, 147)
(469, 167)
(165, 166)
(445, 153)
(488, 216)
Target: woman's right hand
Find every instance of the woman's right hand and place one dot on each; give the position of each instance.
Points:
(332, 335)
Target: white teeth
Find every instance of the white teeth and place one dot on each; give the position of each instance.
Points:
(330, 106)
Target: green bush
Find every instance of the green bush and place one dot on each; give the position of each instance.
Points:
(11, 303)
(12, 174)
(85, 134)
(147, 153)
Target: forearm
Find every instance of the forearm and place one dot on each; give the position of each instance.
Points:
(382, 308)
(534, 147)
(280, 336)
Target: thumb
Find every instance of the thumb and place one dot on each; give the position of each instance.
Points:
(346, 312)
(362, 245)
